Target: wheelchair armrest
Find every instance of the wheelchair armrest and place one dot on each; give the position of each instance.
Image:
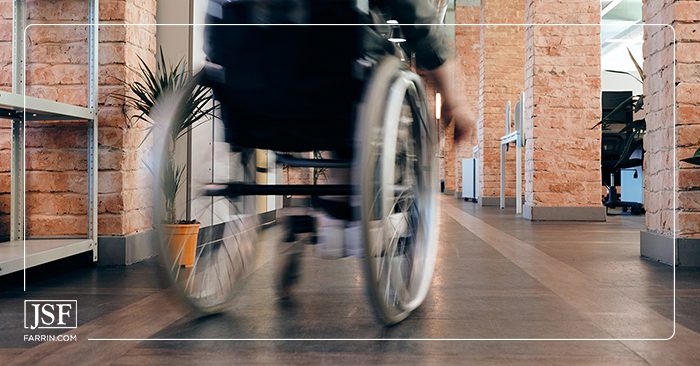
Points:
(213, 74)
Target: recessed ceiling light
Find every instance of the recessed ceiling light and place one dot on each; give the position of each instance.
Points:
(623, 40)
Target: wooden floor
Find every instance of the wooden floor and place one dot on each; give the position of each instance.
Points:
(570, 293)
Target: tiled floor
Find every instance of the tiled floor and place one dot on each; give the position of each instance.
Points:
(498, 276)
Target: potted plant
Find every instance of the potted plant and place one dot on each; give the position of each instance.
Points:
(181, 235)
(318, 172)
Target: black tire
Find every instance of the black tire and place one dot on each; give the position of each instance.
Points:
(397, 186)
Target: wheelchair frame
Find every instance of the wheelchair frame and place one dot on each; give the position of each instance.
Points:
(399, 266)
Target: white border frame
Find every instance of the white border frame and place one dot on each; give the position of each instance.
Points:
(675, 189)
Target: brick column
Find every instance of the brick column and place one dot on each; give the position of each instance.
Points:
(657, 241)
(467, 53)
(501, 80)
(562, 103)
(56, 152)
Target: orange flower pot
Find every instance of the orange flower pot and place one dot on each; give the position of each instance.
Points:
(182, 242)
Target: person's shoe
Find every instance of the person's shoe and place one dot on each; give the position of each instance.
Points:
(330, 234)
(353, 240)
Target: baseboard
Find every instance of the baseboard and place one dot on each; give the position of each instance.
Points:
(659, 248)
(127, 249)
(296, 202)
(496, 201)
(133, 248)
(575, 213)
(449, 192)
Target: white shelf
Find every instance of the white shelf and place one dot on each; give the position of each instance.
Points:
(39, 251)
(12, 106)
(20, 109)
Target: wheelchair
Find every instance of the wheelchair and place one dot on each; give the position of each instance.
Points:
(368, 109)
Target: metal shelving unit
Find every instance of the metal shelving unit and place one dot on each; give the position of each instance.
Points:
(21, 252)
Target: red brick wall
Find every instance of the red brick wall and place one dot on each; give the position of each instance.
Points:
(684, 16)
(467, 53)
(56, 156)
(501, 80)
(5, 44)
(4, 178)
(562, 103)
(449, 157)
(431, 91)
(124, 183)
(5, 132)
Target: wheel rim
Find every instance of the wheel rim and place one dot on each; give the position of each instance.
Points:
(397, 189)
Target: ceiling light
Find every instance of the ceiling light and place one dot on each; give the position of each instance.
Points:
(438, 105)
(624, 40)
(395, 35)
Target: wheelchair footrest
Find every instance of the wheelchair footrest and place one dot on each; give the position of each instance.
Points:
(243, 189)
(293, 161)
(340, 210)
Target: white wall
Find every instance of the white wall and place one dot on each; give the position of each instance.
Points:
(620, 82)
(175, 40)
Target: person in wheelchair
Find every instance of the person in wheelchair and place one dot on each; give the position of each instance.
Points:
(321, 75)
(307, 66)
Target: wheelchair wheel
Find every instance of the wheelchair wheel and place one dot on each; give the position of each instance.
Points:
(397, 184)
(207, 260)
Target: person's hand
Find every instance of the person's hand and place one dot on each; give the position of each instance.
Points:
(465, 123)
(454, 108)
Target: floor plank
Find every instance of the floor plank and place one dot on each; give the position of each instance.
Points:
(497, 276)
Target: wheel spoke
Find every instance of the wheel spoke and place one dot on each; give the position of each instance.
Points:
(397, 194)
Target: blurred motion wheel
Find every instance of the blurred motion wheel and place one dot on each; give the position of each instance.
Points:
(397, 184)
(208, 273)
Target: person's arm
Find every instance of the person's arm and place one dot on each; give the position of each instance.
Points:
(455, 108)
(434, 56)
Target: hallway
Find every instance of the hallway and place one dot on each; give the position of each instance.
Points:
(497, 277)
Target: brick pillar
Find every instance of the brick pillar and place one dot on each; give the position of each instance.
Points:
(657, 241)
(56, 152)
(449, 158)
(445, 137)
(467, 53)
(501, 80)
(562, 103)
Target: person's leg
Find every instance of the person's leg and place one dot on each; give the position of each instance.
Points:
(297, 228)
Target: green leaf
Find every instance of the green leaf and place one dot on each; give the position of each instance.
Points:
(636, 64)
(695, 159)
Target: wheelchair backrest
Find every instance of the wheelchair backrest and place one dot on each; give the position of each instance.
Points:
(287, 11)
(288, 65)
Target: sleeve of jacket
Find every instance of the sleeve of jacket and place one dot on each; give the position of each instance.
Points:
(428, 42)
